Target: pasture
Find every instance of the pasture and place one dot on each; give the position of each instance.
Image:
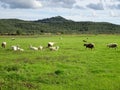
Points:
(72, 67)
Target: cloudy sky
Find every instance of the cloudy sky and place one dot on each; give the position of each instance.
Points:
(77, 10)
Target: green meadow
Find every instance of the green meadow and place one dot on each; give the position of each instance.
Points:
(72, 67)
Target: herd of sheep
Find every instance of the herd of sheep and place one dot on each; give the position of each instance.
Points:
(17, 48)
(55, 48)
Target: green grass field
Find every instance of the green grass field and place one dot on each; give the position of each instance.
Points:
(72, 67)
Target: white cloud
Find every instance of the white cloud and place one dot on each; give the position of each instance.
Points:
(58, 3)
(78, 4)
(21, 4)
(98, 6)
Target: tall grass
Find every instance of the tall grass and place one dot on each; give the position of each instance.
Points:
(72, 67)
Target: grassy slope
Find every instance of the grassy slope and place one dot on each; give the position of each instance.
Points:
(71, 68)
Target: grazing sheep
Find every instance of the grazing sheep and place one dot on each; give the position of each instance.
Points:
(112, 45)
(54, 48)
(50, 44)
(89, 45)
(20, 49)
(3, 45)
(16, 48)
(12, 38)
(33, 48)
(40, 48)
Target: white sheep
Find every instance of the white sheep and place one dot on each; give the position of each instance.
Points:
(16, 48)
(112, 45)
(20, 49)
(12, 38)
(33, 48)
(54, 48)
(3, 45)
(50, 44)
(40, 47)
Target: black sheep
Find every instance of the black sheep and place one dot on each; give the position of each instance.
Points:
(89, 45)
(112, 45)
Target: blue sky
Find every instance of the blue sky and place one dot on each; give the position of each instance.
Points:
(77, 10)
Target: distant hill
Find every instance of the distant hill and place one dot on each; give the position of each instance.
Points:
(54, 19)
(55, 25)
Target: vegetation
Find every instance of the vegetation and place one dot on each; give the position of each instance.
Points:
(55, 25)
(72, 67)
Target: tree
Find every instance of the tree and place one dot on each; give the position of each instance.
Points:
(18, 32)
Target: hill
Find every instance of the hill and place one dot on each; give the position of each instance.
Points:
(54, 19)
(55, 25)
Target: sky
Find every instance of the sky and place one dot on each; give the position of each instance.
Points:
(77, 10)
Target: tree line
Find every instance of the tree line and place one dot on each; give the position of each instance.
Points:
(55, 25)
